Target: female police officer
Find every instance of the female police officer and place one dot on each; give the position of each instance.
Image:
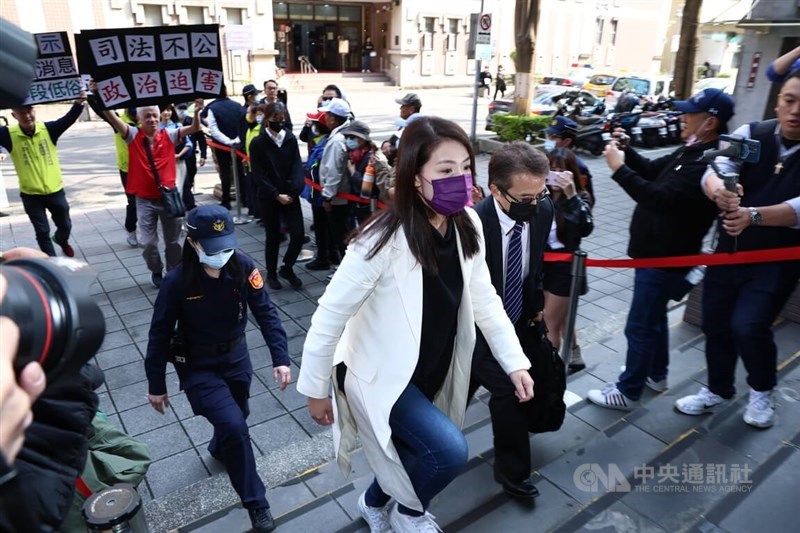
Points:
(208, 296)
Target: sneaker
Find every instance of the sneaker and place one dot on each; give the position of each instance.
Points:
(760, 412)
(288, 274)
(612, 398)
(318, 264)
(403, 523)
(658, 386)
(704, 401)
(65, 247)
(261, 519)
(132, 240)
(156, 278)
(273, 283)
(377, 518)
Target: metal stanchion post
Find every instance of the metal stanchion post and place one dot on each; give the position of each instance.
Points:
(578, 272)
(239, 218)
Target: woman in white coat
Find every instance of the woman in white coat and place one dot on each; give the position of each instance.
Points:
(395, 331)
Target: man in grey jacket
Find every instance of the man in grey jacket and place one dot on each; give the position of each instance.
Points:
(333, 170)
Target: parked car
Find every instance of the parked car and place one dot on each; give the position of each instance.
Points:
(575, 78)
(546, 104)
(726, 84)
(648, 87)
(599, 84)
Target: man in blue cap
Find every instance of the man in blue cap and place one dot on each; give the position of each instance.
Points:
(561, 134)
(671, 218)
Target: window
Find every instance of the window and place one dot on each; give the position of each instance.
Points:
(599, 30)
(152, 15)
(326, 12)
(301, 12)
(614, 32)
(452, 34)
(350, 13)
(234, 15)
(427, 36)
(280, 10)
(194, 15)
(637, 85)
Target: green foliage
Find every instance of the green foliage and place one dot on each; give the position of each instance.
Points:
(513, 56)
(518, 127)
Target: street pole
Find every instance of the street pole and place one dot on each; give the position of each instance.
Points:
(239, 218)
(472, 134)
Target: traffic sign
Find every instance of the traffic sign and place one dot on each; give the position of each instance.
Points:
(484, 29)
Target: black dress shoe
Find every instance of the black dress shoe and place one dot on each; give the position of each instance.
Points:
(288, 274)
(575, 367)
(262, 520)
(524, 490)
(318, 264)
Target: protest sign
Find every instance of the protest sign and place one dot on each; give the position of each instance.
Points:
(55, 77)
(135, 67)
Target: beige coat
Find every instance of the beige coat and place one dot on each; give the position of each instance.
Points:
(370, 317)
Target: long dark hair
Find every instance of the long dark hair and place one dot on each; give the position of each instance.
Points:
(193, 270)
(419, 140)
(564, 159)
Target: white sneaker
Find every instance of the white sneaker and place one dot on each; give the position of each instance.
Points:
(377, 518)
(760, 412)
(704, 401)
(403, 523)
(132, 240)
(658, 386)
(612, 398)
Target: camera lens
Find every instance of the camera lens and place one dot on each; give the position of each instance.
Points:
(60, 325)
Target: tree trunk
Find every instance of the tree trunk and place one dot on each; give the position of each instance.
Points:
(526, 20)
(684, 59)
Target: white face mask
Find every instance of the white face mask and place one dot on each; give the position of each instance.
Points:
(216, 261)
(549, 145)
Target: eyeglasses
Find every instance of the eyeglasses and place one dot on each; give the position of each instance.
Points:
(526, 201)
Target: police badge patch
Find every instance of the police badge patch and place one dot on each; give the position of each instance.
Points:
(255, 279)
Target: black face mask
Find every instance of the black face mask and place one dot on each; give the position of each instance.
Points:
(276, 125)
(521, 212)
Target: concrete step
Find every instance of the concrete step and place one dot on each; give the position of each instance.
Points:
(347, 82)
(653, 436)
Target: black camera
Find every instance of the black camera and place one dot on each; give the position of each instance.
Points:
(60, 325)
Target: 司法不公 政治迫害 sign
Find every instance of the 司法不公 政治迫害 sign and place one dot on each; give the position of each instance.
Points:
(55, 77)
(148, 66)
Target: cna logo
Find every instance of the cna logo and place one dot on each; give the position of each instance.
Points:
(592, 477)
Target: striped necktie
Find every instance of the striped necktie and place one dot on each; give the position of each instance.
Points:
(512, 295)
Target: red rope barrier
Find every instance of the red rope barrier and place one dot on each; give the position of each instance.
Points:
(738, 258)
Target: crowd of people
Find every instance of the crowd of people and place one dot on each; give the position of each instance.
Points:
(426, 267)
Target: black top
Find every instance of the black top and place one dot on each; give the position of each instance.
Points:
(672, 214)
(441, 297)
(277, 169)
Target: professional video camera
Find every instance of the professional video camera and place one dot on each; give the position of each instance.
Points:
(60, 325)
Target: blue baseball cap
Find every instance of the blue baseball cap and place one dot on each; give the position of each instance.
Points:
(212, 226)
(715, 102)
(562, 125)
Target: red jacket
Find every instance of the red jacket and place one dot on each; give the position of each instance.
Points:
(141, 181)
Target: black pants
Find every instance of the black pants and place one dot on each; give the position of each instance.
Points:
(272, 211)
(339, 222)
(512, 449)
(327, 251)
(225, 174)
(740, 303)
(130, 209)
(37, 206)
(253, 204)
(188, 183)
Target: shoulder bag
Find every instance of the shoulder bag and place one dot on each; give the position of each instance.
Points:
(170, 196)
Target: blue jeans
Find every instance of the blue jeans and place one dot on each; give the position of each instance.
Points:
(432, 449)
(740, 303)
(647, 331)
(36, 206)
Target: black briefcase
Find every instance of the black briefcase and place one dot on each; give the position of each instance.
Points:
(546, 410)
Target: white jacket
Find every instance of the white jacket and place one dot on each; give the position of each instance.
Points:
(370, 317)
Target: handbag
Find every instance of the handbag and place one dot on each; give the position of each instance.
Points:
(171, 197)
(546, 411)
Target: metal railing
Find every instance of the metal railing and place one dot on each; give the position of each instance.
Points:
(305, 65)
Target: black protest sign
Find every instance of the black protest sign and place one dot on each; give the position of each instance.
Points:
(135, 67)
(55, 78)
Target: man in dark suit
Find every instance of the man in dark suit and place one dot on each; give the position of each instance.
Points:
(516, 222)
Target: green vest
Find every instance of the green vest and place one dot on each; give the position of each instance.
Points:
(35, 160)
(122, 146)
(253, 130)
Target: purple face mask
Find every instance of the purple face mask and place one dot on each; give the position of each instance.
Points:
(450, 194)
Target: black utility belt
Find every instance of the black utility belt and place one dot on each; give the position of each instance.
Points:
(211, 350)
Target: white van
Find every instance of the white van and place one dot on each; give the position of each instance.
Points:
(652, 87)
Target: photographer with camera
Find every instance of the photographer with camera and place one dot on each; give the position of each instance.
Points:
(741, 302)
(44, 304)
(32, 146)
(671, 218)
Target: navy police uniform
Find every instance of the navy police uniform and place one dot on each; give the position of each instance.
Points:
(217, 373)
